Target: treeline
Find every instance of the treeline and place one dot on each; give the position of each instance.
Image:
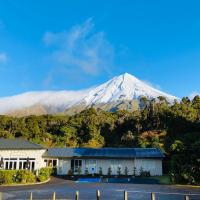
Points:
(173, 128)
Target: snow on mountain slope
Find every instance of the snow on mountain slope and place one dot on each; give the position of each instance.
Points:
(123, 87)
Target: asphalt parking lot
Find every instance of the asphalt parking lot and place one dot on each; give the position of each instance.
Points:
(66, 189)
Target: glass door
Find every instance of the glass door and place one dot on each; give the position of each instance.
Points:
(76, 166)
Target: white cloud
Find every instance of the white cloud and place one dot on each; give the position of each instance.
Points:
(3, 58)
(81, 48)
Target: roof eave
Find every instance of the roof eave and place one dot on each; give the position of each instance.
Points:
(102, 157)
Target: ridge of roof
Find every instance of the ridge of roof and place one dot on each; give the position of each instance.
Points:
(18, 143)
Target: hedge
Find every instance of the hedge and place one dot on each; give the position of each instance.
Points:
(44, 173)
(16, 176)
(24, 176)
(7, 176)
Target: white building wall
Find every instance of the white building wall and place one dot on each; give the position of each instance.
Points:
(154, 166)
(114, 164)
(37, 154)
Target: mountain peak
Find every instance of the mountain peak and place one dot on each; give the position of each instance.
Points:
(123, 87)
(127, 76)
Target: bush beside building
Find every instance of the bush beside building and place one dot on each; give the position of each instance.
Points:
(44, 174)
(24, 176)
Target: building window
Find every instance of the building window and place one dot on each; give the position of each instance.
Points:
(27, 163)
(76, 165)
(7, 164)
(10, 163)
(51, 162)
(32, 166)
(15, 165)
(54, 163)
(72, 164)
(24, 165)
(21, 163)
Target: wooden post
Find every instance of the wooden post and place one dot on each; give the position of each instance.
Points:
(187, 197)
(77, 195)
(1, 196)
(98, 194)
(54, 196)
(31, 196)
(125, 195)
(153, 196)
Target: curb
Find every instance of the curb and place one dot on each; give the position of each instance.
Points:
(189, 186)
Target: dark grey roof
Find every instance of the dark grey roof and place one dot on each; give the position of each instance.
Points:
(105, 152)
(18, 144)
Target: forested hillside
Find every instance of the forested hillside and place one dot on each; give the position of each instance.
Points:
(173, 128)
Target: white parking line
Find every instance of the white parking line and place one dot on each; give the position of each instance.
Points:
(165, 193)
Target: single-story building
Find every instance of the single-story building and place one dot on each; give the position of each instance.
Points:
(20, 154)
(101, 160)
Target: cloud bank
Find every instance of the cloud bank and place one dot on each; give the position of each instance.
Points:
(81, 49)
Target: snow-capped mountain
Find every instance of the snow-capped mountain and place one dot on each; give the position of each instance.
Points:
(121, 88)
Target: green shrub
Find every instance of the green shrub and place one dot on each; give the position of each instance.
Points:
(109, 171)
(119, 171)
(145, 174)
(79, 170)
(70, 172)
(25, 176)
(16, 176)
(44, 174)
(126, 171)
(134, 171)
(86, 171)
(100, 171)
(7, 176)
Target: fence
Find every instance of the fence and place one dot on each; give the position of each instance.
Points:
(98, 195)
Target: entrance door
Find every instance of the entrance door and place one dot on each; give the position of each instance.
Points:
(76, 166)
(63, 168)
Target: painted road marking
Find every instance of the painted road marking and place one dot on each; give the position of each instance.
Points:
(165, 193)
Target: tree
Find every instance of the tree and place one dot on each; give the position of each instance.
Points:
(69, 136)
(152, 139)
(128, 139)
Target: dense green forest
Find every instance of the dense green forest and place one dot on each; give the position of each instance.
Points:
(173, 128)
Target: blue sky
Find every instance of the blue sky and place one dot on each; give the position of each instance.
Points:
(59, 44)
